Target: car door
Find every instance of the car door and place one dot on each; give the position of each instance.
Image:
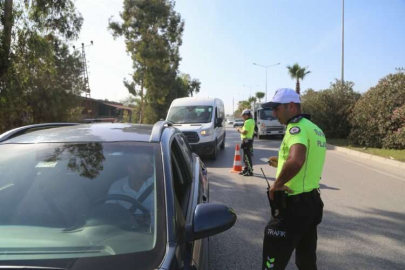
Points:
(221, 116)
(188, 188)
(198, 194)
(218, 128)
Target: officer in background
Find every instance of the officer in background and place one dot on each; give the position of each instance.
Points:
(247, 142)
(299, 209)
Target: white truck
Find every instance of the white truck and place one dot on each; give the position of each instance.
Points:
(266, 123)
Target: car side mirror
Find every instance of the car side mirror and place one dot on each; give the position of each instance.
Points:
(219, 122)
(210, 219)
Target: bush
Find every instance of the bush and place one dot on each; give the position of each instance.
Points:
(378, 119)
(330, 109)
(396, 138)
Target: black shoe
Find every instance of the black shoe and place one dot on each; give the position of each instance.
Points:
(244, 171)
(248, 173)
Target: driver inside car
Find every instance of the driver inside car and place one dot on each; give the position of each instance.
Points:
(138, 184)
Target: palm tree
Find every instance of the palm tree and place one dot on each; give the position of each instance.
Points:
(252, 99)
(298, 73)
(260, 95)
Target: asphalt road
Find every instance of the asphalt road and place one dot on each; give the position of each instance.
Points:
(364, 215)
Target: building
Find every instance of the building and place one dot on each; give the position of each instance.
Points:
(97, 110)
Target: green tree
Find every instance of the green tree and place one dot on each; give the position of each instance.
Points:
(331, 108)
(191, 85)
(297, 73)
(153, 33)
(40, 80)
(242, 105)
(135, 104)
(260, 95)
(251, 99)
(378, 119)
(194, 87)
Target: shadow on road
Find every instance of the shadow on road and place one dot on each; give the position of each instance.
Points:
(357, 238)
(323, 186)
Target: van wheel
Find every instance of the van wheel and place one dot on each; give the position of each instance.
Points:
(223, 144)
(214, 155)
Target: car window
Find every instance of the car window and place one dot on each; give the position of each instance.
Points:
(186, 151)
(181, 176)
(80, 200)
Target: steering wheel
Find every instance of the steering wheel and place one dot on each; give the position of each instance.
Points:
(135, 205)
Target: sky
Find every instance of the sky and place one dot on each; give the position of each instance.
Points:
(223, 38)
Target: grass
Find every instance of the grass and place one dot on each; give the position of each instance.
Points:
(398, 155)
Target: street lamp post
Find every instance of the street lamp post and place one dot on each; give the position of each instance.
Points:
(343, 40)
(250, 88)
(266, 67)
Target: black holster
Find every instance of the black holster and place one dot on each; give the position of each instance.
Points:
(279, 204)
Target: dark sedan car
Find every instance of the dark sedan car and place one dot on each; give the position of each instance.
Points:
(104, 196)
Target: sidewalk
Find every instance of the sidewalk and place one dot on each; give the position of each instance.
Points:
(385, 161)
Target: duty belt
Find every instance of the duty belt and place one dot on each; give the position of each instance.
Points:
(305, 197)
(247, 140)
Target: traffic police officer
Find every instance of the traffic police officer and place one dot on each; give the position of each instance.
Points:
(247, 142)
(298, 211)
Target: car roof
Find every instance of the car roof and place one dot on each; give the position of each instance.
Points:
(195, 101)
(95, 132)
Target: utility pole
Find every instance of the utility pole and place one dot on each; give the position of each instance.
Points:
(266, 67)
(250, 88)
(343, 40)
(233, 105)
(86, 78)
(85, 72)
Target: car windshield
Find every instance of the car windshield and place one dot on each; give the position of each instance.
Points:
(238, 120)
(82, 200)
(267, 114)
(190, 114)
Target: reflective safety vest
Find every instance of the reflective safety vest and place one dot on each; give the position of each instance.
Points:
(301, 130)
(248, 126)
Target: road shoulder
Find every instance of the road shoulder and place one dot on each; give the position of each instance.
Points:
(385, 161)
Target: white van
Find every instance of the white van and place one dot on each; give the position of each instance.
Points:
(202, 121)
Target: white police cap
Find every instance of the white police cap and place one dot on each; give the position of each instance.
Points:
(246, 111)
(283, 96)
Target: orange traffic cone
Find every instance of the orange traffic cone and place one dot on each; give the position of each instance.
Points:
(237, 164)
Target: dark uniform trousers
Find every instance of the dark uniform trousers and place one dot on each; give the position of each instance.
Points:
(247, 146)
(294, 227)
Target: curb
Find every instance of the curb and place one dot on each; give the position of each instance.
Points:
(385, 161)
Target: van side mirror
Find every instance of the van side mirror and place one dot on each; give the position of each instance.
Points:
(219, 122)
(210, 219)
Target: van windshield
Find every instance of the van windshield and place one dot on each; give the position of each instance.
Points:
(266, 114)
(190, 114)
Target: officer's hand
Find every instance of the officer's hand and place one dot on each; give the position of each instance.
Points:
(275, 187)
(273, 161)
